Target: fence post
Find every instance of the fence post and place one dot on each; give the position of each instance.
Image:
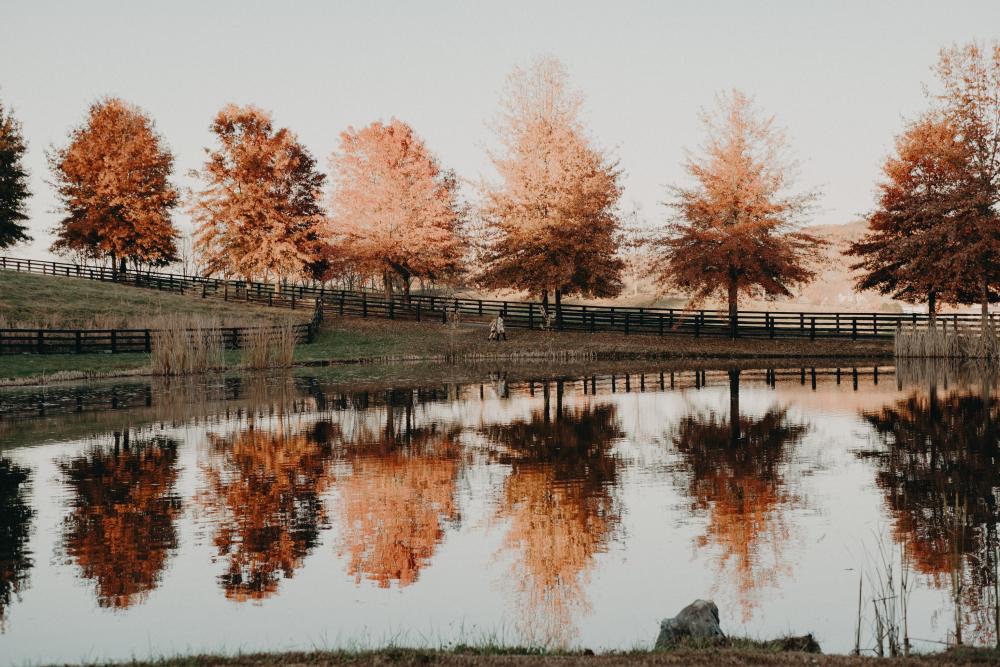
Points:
(854, 328)
(812, 328)
(341, 310)
(481, 307)
(293, 300)
(593, 323)
(41, 341)
(147, 341)
(79, 341)
(418, 310)
(697, 325)
(626, 323)
(392, 309)
(531, 316)
(661, 324)
(114, 341)
(235, 335)
(364, 305)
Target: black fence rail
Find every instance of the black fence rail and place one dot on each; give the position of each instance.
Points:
(516, 314)
(114, 341)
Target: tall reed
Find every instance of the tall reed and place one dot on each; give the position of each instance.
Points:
(268, 347)
(944, 342)
(185, 345)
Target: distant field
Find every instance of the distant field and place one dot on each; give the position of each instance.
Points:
(31, 300)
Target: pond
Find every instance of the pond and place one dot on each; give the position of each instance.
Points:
(146, 519)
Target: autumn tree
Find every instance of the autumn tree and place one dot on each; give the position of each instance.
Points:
(968, 96)
(113, 181)
(551, 223)
(13, 181)
(734, 232)
(258, 216)
(394, 212)
(908, 251)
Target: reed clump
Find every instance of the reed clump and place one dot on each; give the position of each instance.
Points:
(185, 345)
(268, 347)
(948, 343)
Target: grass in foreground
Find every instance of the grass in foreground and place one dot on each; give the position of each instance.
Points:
(748, 653)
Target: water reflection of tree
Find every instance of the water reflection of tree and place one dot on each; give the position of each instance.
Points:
(120, 527)
(263, 494)
(938, 470)
(15, 527)
(734, 471)
(398, 498)
(562, 504)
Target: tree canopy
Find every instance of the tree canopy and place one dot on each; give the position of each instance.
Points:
(393, 210)
(113, 180)
(552, 221)
(258, 215)
(14, 191)
(735, 230)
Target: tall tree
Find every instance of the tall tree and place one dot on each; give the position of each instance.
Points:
(734, 232)
(258, 216)
(393, 210)
(909, 249)
(969, 97)
(552, 221)
(13, 181)
(113, 179)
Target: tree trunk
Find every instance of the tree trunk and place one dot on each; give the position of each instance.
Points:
(545, 300)
(558, 308)
(733, 310)
(387, 284)
(121, 264)
(932, 307)
(985, 305)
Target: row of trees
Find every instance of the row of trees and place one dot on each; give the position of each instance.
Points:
(551, 223)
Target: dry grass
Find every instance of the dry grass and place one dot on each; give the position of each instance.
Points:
(945, 343)
(186, 345)
(268, 347)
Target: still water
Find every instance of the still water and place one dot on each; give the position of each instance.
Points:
(247, 513)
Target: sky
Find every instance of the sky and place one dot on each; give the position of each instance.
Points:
(841, 77)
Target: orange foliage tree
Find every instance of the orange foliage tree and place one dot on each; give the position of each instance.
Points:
(733, 470)
(120, 527)
(264, 494)
(969, 99)
(909, 249)
(258, 216)
(561, 501)
(15, 530)
(113, 183)
(397, 500)
(552, 222)
(734, 231)
(393, 210)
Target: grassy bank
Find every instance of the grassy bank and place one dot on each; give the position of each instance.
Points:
(37, 301)
(754, 653)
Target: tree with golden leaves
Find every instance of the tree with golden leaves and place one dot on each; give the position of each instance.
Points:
(113, 181)
(120, 528)
(394, 212)
(968, 96)
(909, 250)
(735, 232)
(552, 222)
(258, 215)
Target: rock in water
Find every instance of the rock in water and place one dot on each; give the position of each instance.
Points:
(698, 620)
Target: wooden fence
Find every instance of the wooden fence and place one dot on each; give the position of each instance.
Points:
(84, 341)
(516, 314)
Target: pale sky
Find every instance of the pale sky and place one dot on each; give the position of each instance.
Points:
(840, 76)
